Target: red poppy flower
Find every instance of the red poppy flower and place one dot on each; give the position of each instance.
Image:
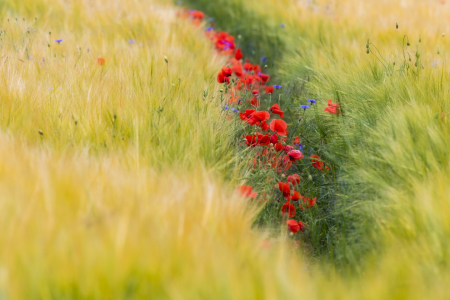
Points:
(265, 78)
(246, 191)
(264, 126)
(318, 164)
(294, 155)
(279, 126)
(251, 140)
(253, 101)
(258, 116)
(101, 61)
(288, 208)
(226, 71)
(246, 115)
(332, 108)
(221, 78)
(255, 92)
(237, 69)
(268, 89)
(294, 179)
(263, 140)
(294, 226)
(238, 54)
(196, 14)
(296, 140)
(296, 196)
(274, 138)
(278, 147)
(277, 110)
(284, 188)
(248, 67)
(307, 202)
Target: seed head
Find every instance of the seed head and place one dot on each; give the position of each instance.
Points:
(166, 59)
(443, 34)
(396, 26)
(41, 132)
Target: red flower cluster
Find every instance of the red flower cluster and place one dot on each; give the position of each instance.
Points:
(271, 131)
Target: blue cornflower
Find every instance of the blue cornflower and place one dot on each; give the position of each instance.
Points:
(305, 107)
(277, 86)
(300, 146)
(235, 110)
(282, 25)
(224, 107)
(209, 28)
(239, 101)
(312, 101)
(131, 41)
(58, 41)
(264, 59)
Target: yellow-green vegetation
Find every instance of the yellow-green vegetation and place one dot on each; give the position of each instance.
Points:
(115, 178)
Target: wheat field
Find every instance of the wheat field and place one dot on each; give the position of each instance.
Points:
(117, 176)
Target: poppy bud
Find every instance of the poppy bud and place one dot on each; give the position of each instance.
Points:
(367, 45)
(407, 44)
(396, 26)
(310, 178)
(368, 51)
(76, 123)
(393, 63)
(417, 54)
(438, 51)
(283, 176)
(41, 132)
(166, 59)
(415, 64)
(221, 90)
(410, 59)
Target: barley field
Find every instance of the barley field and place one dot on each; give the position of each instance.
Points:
(126, 149)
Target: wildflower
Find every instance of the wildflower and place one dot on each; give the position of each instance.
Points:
(300, 146)
(264, 59)
(264, 77)
(279, 126)
(296, 196)
(251, 140)
(224, 107)
(209, 28)
(255, 92)
(282, 25)
(263, 140)
(226, 71)
(278, 147)
(274, 138)
(305, 107)
(318, 164)
(221, 78)
(258, 116)
(294, 155)
(296, 140)
(312, 101)
(238, 54)
(294, 179)
(234, 109)
(284, 188)
(268, 89)
(59, 41)
(101, 61)
(277, 86)
(332, 108)
(277, 110)
(289, 209)
(246, 191)
(246, 115)
(308, 203)
(196, 14)
(294, 226)
(130, 41)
